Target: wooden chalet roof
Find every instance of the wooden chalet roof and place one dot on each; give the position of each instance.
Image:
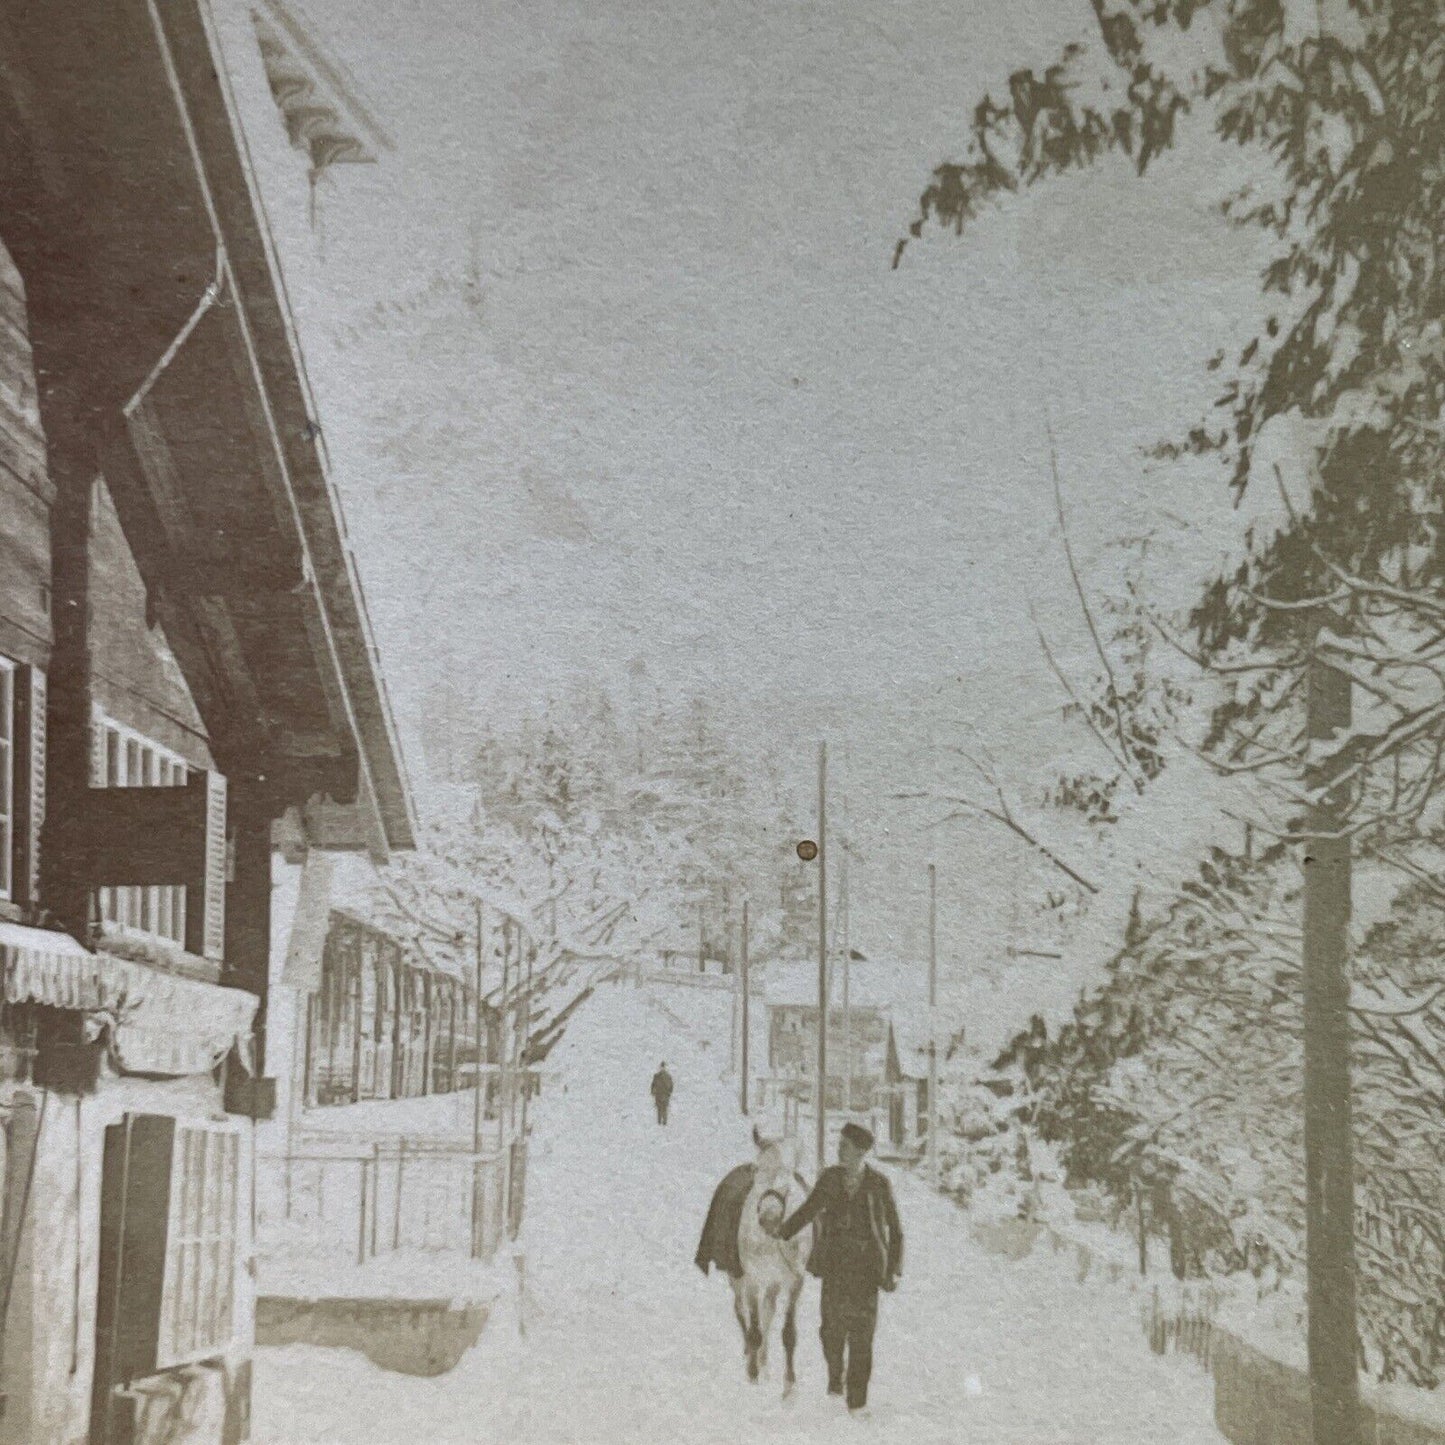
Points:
(166, 356)
(324, 113)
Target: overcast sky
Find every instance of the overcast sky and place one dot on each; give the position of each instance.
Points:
(688, 414)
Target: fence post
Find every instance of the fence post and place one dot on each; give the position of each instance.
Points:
(375, 1191)
(1143, 1234)
(361, 1213)
(400, 1171)
(476, 1209)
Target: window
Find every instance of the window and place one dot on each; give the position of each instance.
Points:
(132, 761)
(198, 1294)
(7, 774)
(170, 1200)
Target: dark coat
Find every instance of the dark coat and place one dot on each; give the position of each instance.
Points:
(719, 1242)
(828, 1203)
(662, 1085)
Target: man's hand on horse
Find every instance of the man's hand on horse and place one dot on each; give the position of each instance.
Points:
(890, 1284)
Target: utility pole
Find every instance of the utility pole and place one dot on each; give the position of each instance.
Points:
(933, 1025)
(847, 969)
(504, 1046)
(846, 839)
(730, 969)
(820, 1097)
(477, 1091)
(525, 1041)
(743, 976)
(733, 1025)
(729, 961)
(1329, 1143)
(478, 1202)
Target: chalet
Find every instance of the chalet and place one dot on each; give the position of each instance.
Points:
(905, 1085)
(880, 1041)
(185, 660)
(390, 1100)
(384, 1023)
(405, 1066)
(910, 1047)
(857, 1036)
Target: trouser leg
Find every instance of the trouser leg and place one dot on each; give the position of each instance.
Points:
(834, 1333)
(862, 1321)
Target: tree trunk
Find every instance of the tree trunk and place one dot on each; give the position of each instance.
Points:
(1329, 1142)
(1143, 1233)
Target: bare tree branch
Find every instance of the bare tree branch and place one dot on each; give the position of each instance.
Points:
(1115, 695)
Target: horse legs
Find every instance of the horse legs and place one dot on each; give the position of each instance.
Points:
(790, 1332)
(765, 1323)
(740, 1313)
(755, 1339)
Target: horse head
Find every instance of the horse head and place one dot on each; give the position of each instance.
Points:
(776, 1162)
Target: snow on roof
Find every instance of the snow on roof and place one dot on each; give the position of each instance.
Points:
(353, 882)
(913, 1031)
(677, 941)
(911, 1037)
(872, 983)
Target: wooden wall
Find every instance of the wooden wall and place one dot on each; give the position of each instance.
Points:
(136, 678)
(25, 490)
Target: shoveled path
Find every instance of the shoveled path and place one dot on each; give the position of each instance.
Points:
(626, 1341)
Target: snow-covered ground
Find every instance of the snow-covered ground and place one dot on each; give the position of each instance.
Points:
(625, 1340)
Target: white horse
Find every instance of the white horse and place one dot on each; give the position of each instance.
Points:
(773, 1269)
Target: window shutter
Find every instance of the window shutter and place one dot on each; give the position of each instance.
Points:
(29, 783)
(206, 899)
(214, 927)
(97, 751)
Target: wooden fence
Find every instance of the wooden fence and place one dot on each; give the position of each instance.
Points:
(354, 1201)
(1183, 1324)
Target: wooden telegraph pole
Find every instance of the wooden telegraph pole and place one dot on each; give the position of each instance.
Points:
(504, 1044)
(743, 983)
(1329, 1142)
(847, 978)
(524, 1042)
(933, 1025)
(478, 1198)
(477, 1090)
(845, 838)
(736, 1009)
(820, 1104)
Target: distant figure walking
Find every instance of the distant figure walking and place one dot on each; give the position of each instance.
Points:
(662, 1092)
(859, 1252)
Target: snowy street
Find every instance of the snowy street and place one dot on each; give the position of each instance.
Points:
(625, 1340)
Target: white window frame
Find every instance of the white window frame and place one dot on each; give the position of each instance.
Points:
(8, 743)
(142, 910)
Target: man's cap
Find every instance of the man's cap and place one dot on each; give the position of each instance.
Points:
(856, 1135)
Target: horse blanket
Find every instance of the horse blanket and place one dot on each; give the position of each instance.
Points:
(719, 1242)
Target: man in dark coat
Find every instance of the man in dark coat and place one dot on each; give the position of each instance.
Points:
(662, 1092)
(859, 1251)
